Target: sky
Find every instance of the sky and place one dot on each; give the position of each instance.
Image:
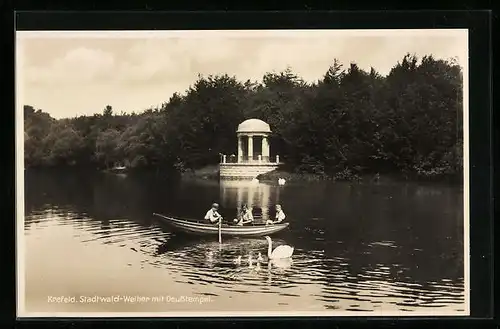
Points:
(68, 74)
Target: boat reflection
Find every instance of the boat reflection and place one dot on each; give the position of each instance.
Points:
(184, 242)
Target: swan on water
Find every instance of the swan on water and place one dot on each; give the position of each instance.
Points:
(283, 251)
(237, 260)
(259, 258)
(281, 181)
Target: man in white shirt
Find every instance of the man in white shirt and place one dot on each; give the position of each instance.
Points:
(280, 216)
(212, 215)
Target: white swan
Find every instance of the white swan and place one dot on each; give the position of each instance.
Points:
(259, 258)
(281, 181)
(283, 251)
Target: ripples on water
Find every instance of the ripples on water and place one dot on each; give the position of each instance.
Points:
(329, 281)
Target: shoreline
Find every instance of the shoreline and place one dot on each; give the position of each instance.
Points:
(211, 172)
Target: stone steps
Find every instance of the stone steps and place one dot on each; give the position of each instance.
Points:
(245, 171)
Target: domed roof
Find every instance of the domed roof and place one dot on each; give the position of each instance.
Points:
(253, 126)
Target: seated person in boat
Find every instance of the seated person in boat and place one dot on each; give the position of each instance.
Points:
(245, 216)
(213, 215)
(280, 216)
(240, 215)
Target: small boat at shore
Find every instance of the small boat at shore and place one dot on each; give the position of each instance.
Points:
(118, 169)
(199, 228)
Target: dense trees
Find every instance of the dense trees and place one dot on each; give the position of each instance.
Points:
(347, 123)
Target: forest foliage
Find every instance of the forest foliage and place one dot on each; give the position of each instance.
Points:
(350, 122)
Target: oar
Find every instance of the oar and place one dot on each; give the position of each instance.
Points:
(220, 229)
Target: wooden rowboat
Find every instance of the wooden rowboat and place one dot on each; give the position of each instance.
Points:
(228, 230)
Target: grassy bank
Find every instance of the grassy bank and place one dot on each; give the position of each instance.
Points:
(309, 177)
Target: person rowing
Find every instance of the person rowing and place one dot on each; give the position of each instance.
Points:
(245, 217)
(280, 216)
(213, 215)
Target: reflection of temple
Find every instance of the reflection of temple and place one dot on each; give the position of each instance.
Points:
(253, 156)
(262, 197)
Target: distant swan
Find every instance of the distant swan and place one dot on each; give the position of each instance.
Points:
(283, 251)
(259, 258)
(281, 181)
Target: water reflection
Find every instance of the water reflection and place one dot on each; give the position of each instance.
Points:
(260, 196)
(357, 247)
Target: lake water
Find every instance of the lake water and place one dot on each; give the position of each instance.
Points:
(380, 248)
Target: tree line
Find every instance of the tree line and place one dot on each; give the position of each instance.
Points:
(348, 123)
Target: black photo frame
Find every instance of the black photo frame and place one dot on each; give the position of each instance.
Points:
(479, 24)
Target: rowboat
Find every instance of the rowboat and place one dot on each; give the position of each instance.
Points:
(118, 169)
(193, 227)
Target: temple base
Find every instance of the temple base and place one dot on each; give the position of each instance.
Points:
(245, 171)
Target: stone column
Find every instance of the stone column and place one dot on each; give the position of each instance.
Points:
(240, 149)
(265, 148)
(250, 148)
